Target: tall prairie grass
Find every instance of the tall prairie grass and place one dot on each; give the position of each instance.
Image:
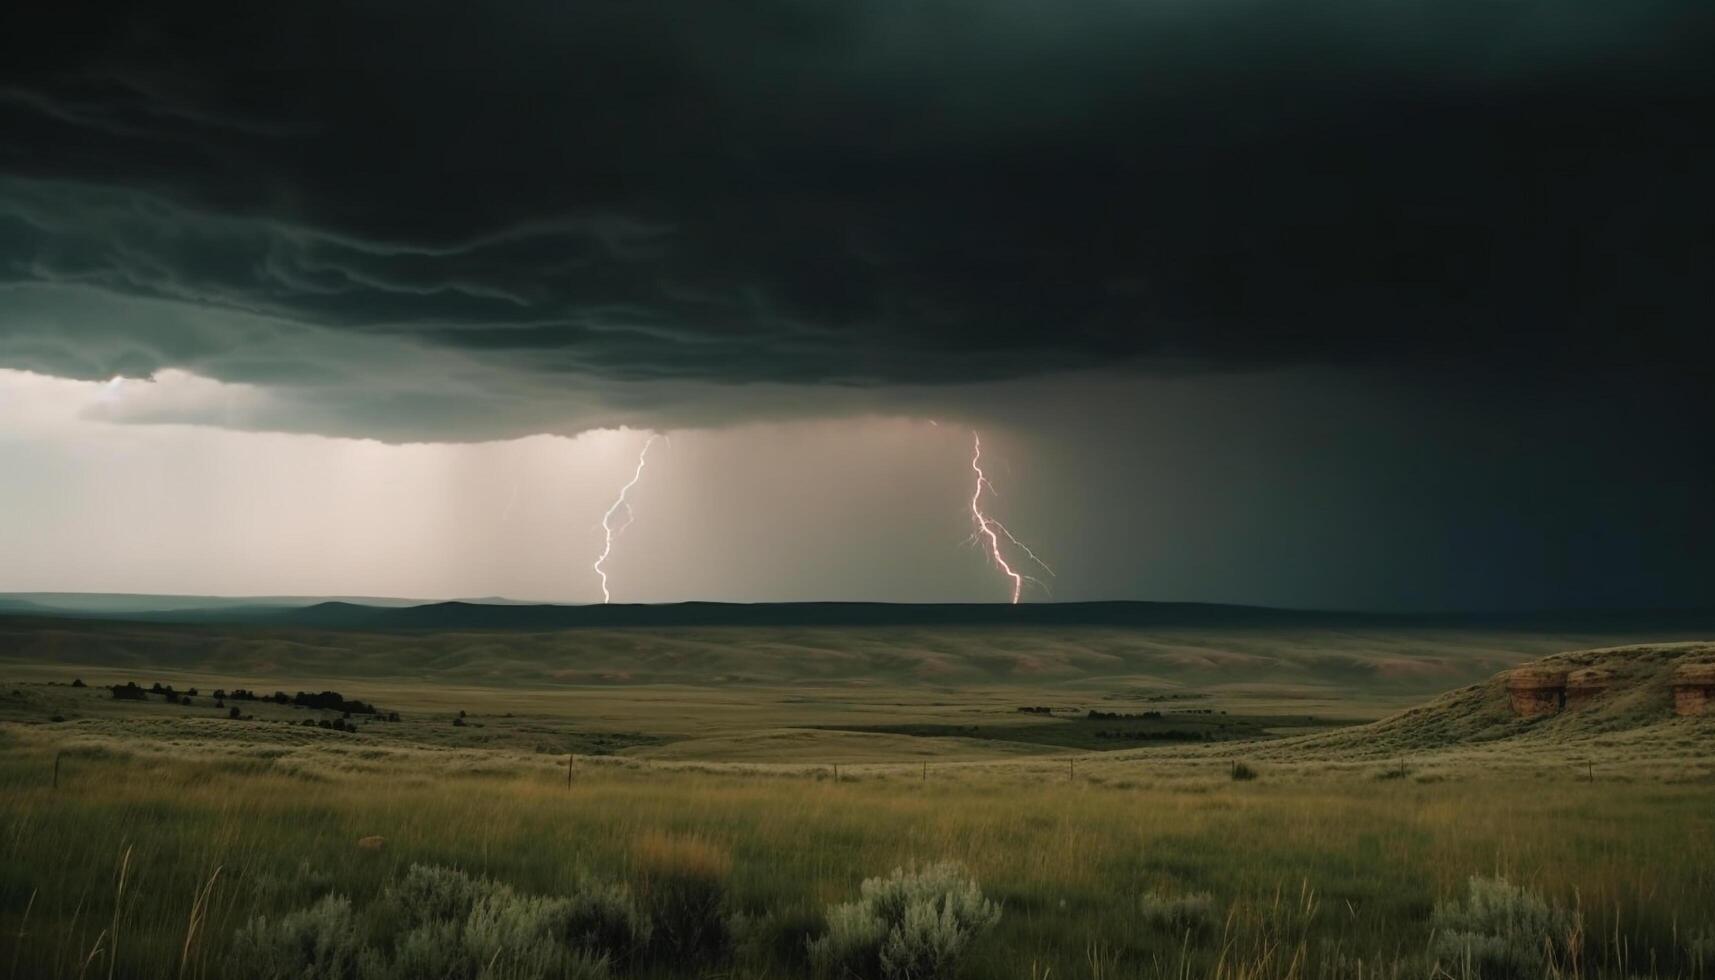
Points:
(150, 868)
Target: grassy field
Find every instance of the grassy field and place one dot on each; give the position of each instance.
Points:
(148, 839)
(1396, 665)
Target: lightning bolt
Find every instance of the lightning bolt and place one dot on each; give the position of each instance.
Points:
(990, 529)
(610, 532)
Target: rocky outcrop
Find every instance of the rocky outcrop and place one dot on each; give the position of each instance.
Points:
(1694, 689)
(1586, 685)
(1620, 677)
(1536, 691)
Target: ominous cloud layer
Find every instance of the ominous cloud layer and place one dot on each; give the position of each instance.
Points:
(468, 220)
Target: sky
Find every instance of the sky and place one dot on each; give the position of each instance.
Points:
(1353, 303)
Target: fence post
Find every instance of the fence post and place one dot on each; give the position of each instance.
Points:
(56, 770)
(571, 761)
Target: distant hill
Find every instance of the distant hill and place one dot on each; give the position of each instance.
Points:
(1126, 650)
(443, 616)
(1627, 729)
(116, 604)
(369, 614)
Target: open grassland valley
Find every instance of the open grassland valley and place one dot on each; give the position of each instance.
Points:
(1089, 808)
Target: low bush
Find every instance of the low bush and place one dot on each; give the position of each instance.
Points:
(447, 925)
(321, 942)
(429, 893)
(1241, 772)
(1503, 931)
(1178, 913)
(911, 925)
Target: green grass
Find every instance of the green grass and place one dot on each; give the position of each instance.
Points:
(1329, 863)
(1383, 664)
(1333, 870)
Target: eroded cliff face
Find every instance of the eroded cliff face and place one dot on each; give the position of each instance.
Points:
(1694, 689)
(1667, 679)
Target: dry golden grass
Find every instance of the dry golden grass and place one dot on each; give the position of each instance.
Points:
(1352, 866)
(658, 854)
(1325, 862)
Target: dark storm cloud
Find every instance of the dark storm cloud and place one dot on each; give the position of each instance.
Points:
(874, 193)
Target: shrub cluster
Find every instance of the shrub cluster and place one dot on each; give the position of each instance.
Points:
(450, 926)
(321, 942)
(910, 925)
(323, 701)
(438, 923)
(1194, 912)
(1503, 931)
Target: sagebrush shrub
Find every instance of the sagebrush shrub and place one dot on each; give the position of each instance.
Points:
(928, 943)
(321, 942)
(511, 935)
(1502, 930)
(431, 949)
(1178, 913)
(910, 925)
(429, 893)
(463, 927)
(851, 944)
(450, 926)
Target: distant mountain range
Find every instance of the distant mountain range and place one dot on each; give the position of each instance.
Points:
(392, 614)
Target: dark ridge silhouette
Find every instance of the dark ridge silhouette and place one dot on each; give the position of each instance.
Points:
(459, 616)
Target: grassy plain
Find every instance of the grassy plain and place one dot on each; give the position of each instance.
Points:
(168, 827)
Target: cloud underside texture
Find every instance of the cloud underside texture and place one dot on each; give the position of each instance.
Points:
(544, 216)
